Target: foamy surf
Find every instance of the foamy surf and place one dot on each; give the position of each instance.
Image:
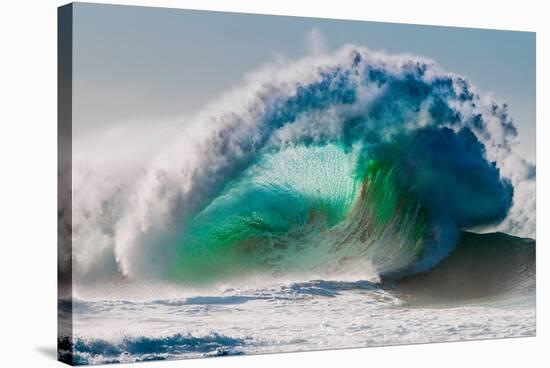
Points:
(436, 306)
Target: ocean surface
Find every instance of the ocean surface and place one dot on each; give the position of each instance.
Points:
(317, 314)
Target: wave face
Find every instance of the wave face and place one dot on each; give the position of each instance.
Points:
(351, 163)
(483, 267)
(310, 209)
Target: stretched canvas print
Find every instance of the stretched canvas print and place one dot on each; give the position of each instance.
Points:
(244, 184)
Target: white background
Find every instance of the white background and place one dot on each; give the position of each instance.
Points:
(28, 167)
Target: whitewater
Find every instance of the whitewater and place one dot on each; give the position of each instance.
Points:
(348, 199)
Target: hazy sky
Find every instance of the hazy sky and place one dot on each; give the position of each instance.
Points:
(147, 64)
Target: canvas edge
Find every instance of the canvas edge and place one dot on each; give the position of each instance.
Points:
(64, 184)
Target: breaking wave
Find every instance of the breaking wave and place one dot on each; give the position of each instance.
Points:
(341, 164)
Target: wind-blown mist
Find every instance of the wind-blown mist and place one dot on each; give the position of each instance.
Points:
(353, 162)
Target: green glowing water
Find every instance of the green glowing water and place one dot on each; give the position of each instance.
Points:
(303, 209)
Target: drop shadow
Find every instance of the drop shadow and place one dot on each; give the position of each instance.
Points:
(48, 351)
